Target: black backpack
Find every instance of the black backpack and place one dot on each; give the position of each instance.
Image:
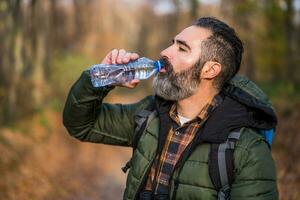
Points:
(221, 159)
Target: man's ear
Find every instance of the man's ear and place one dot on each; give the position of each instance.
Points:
(211, 69)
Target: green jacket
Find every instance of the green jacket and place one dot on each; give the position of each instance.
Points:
(245, 106)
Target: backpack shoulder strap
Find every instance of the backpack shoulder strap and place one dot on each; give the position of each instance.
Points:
(142, 120)
(221, 165)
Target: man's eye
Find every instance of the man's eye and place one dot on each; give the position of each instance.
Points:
(181, 49)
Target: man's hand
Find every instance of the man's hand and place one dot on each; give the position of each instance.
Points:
(121, 57)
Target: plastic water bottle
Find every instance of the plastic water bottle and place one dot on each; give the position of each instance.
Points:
(108, 74)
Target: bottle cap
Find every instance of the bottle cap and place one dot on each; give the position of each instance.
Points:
(159, 64)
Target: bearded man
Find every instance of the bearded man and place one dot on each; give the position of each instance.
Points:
(198, 103)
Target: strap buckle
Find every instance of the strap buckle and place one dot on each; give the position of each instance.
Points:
(224, 193)
(126, 167)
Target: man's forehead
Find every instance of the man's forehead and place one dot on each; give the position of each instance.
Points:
(193, 34)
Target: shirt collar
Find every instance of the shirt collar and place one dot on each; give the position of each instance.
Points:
(203, 114)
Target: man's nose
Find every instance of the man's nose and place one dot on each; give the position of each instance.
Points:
(165, 53)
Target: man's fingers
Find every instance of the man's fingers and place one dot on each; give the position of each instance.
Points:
(134, 56)
(121, 55)
(135, 81)
(114, 55)
(126, 57)
(131, 84)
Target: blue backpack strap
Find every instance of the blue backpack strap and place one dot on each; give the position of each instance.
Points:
(142, 120)
(268, 134)
(221, 165)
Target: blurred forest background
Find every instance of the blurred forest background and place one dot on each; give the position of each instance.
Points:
(46, 44)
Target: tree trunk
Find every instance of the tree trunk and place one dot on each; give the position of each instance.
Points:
(240, 12)
(194, 9)
(12, 63)
(37, 57)
(290, 40)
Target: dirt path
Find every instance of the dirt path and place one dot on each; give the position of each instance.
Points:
(48, 164)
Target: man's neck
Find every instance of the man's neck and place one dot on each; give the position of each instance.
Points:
(192, 106)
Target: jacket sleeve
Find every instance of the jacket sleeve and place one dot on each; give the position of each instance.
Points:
(256, 174)
(88, 119)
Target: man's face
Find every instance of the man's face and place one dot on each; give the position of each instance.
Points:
(181, 76)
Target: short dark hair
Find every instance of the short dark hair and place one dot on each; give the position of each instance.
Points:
(223, 46)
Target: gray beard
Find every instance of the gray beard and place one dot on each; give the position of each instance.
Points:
(177, 86)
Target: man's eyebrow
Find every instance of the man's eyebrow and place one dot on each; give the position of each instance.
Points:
(181, 42)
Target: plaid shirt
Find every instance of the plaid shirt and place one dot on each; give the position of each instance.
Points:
(178, 138)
